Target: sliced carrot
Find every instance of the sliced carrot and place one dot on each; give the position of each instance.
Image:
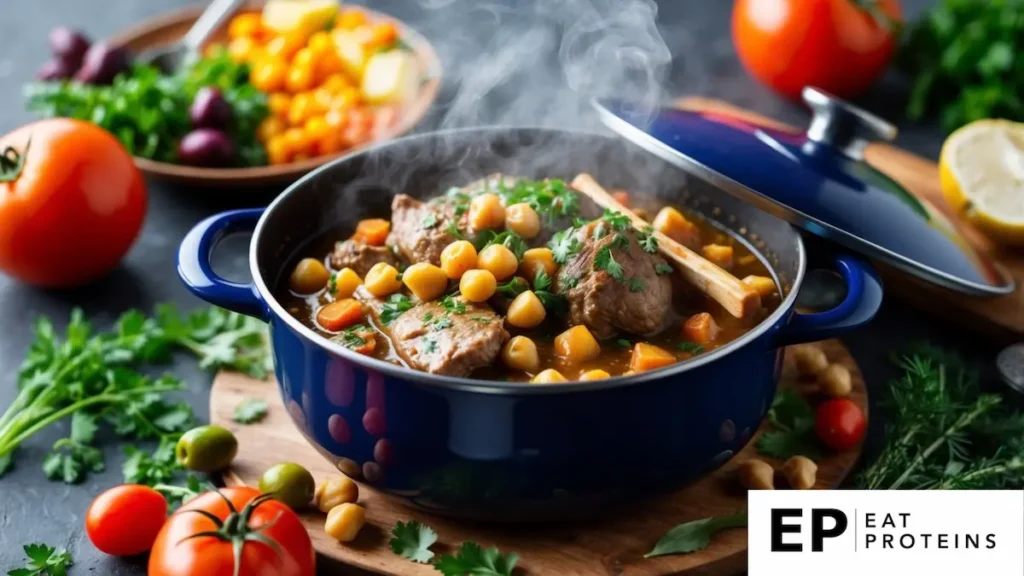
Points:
(648, 357)
(673, 224)
(372, 231)
(340, 314)
(700, 328)
(369, 344)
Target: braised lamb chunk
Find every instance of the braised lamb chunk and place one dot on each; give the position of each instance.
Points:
(421, 230)
(361, 257)
(450, 337)
(611, 283)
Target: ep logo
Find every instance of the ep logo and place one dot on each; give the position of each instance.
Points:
(821, 523)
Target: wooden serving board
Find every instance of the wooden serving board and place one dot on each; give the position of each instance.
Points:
(613, 545)
(1001, 316)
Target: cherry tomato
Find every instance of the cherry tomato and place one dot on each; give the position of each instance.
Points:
(177, 553)
(125, 520)
(841, 46)
(73, 209)
(840, 423)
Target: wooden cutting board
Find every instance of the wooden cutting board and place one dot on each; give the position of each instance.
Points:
(613, 545)
(1001, 316)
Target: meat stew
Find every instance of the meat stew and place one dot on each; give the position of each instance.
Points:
(519, 280)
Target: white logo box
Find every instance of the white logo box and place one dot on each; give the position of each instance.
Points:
(931, 533)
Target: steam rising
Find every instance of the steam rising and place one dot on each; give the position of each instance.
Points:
(539, 63)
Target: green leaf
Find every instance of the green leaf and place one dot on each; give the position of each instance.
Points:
(662, 269)
(6, 463)
(564, 245)
(83, 427)
(249, 411)
(412, 541)
(793, 420)
(691, 347)
(474, 560)
(43, 560)
(696, 535)
(395, 306)
(70, 461)
(159, 467)
(790, 411)
(604, 260)
(513, 287)
(636, 284)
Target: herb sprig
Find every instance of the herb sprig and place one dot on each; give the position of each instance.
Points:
(43, 560)
(792, 419)
(92, 378)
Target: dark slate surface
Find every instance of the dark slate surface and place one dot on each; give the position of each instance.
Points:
(517, 77)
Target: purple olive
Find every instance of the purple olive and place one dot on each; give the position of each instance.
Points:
(210, 109)
(55, 69)
(68, 46)
(102, 63)
(206, 147)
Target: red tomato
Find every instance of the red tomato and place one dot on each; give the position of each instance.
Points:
(74, 208)
(840, 423)
(176, 553)
(125, 520)
(840, 46)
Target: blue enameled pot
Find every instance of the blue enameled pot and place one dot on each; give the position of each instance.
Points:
(500, 450)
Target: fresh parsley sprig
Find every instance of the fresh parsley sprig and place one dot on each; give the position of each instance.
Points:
(792, 419)
(395, 306)
(43, 560)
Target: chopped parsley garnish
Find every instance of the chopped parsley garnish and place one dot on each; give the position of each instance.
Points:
(395, 307)
(624, 343)
(457, 194)
(480, 319)
(442, 323)
(578, 222)
(549, 198)
(453, 306)
(647, 240)
(430, 221)
(513, 287)
(691, 347)
(332, 283)
(662, 269)
(352, 337)
(564, 245)
(569, 282)
(509, 239)
(542, 281)
(636, 284)
(542, 288)
(604, 260)
(618, 221)
(454, 231)
(600, 231)
(430, 346)
(620, 241)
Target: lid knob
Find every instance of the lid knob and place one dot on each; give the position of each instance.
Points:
(843, 126)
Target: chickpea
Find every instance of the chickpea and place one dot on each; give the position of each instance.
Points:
(523, 220)
(536, 259)
(477, 285)
(810, 360)
(499, 260)
(801, 472)
(520, 353)
(382, 280)
(756, 474)
(486, 212)
(334, 491)
(345, 521)
(309, 276)
(548, 376)
(426, 281)
(458, 258)
(345, 283)
(835, 381)
(594, 375)
(526, 311)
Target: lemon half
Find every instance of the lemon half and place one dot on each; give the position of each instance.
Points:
(982, 175)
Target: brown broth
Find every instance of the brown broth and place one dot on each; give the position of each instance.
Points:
(615, 353)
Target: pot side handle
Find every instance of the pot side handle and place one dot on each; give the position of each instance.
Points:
(196, 272)
(862, 301)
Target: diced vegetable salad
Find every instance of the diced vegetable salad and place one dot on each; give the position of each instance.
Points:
(296, 81)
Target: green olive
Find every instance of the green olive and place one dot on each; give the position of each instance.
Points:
(206, 449)
(290, 483)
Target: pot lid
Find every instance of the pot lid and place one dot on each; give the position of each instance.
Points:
(817, 180)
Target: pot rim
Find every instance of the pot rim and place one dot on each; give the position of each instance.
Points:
(498, 386)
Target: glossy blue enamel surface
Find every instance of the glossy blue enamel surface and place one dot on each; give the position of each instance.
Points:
(818, 188)
(514, 451)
